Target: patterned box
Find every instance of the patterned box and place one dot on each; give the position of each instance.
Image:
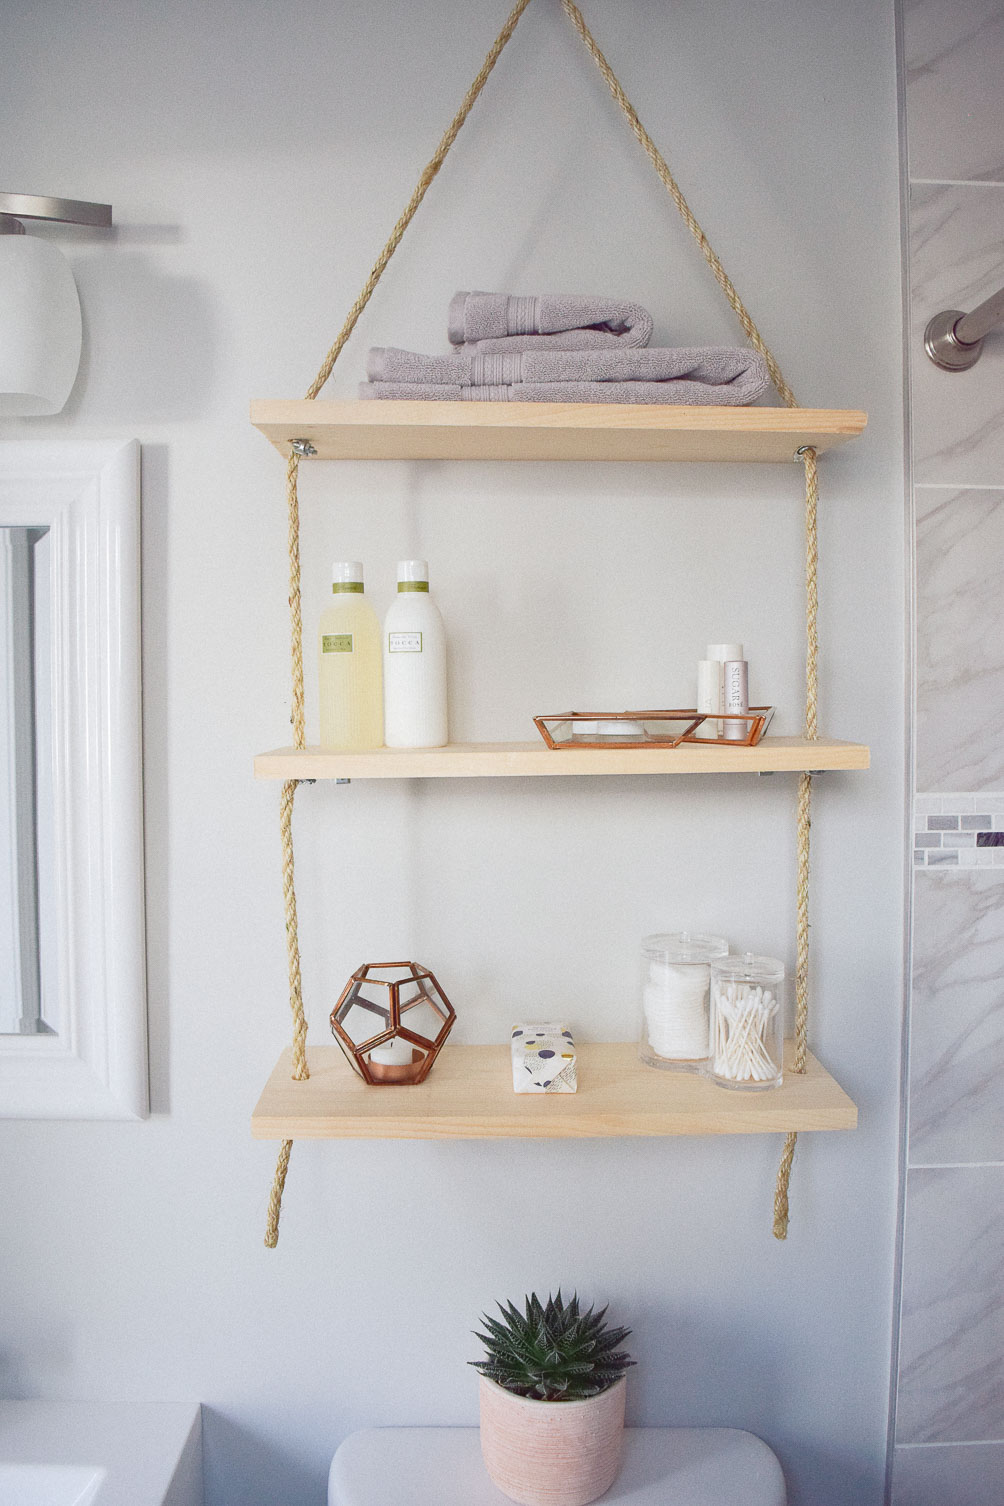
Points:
(543, 1058)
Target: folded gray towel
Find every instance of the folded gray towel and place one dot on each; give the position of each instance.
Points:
(569, 339)
(692, 394)
(740, 371)
(479, 317)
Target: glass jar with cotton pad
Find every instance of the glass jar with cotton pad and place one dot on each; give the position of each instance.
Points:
(675, 991)
(747, 1021)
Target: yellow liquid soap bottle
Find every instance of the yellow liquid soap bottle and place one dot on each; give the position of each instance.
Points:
(350, 664)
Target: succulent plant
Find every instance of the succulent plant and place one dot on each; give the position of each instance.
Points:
(553, 1352)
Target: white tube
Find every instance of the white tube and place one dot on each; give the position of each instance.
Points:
(710, 686)
(736, 698)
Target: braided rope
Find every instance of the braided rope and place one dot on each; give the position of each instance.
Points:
(300, 1068)
(300, 1072)
(275, 1196)
(428, 173)
(808, 457)
(781, 1190)
(803, 825)
(295, 615)
(661, 166)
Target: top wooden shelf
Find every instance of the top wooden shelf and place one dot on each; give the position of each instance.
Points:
(362, 430)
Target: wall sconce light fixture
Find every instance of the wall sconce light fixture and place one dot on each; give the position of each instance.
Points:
(39, 307)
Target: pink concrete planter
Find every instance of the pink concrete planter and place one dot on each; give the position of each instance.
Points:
(552, 1453)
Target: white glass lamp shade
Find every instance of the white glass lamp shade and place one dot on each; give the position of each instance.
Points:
(39, 327)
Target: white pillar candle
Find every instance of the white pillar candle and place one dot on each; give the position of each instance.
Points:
(393, 1053)
(590, 731)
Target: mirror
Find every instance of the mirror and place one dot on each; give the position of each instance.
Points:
(72, 963)
(27, 999)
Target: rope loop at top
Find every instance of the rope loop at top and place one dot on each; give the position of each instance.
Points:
(429, 172)
(661, 166)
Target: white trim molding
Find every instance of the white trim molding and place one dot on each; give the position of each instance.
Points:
(95, 1064)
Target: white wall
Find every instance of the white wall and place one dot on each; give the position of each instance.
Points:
(257, 155)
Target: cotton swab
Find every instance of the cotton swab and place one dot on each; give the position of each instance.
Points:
(743, 1014)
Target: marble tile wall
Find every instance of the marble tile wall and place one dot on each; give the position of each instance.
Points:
(960, 622)
(952, 53)
(949, 1370)
(956, 1060)
(956, 235)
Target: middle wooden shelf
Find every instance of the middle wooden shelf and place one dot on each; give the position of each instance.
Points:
(513, 760)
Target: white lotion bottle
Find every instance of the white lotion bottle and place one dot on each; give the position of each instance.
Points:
(349, 664)
(414, 664)
(711, 686)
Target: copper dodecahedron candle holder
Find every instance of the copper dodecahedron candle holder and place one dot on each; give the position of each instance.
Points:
(391, 1020)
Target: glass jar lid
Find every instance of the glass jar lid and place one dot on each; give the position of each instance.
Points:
(745, 967)
(684, 946)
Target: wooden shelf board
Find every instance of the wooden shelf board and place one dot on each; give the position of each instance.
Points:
(360, 430)
(468, 1095)
(512, 760)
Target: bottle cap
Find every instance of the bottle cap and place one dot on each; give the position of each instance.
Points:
(347, 572)
(725, 652)
(413, 570)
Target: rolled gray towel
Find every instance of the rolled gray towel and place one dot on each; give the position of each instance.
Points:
(691, 394)
(480, 317)
(739, 371)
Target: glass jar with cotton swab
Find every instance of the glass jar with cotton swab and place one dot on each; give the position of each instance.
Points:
(747, 1022)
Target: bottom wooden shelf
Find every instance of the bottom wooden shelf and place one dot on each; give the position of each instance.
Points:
(468, 1094)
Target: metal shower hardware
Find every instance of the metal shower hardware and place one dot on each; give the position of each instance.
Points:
(15, 207)
(954, 340)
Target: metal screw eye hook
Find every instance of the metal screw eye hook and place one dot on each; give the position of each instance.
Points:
(302, 447)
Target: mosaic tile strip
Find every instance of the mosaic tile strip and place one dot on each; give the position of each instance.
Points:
(959, 831)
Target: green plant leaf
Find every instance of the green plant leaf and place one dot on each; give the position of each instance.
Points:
(554, 1351)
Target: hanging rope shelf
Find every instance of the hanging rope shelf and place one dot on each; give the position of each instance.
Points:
(833, 425)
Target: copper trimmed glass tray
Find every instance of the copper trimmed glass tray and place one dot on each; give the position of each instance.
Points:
(653, 729)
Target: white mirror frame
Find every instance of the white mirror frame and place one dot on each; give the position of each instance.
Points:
(95, 1067)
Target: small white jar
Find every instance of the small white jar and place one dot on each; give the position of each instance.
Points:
(676, 983)
(747, 1022)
